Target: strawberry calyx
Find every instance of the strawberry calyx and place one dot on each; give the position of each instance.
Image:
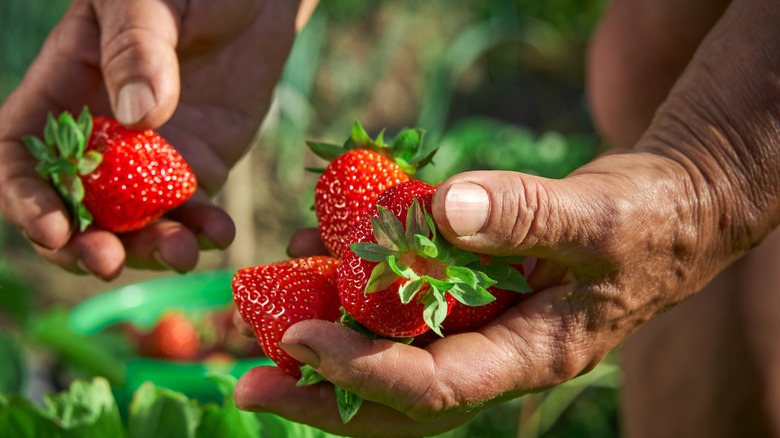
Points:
(431, 266)
(63, 159)
(348, 403)
(406, 150)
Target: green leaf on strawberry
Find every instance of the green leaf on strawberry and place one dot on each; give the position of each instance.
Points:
(61, 157)
(406, 150)
(348, 404)
(430, 266)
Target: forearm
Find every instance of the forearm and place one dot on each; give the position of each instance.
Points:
(721, 123)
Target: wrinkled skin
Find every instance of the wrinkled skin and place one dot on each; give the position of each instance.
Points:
(210, 69)
(624, 238)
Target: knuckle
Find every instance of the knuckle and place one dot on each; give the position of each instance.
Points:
(521, 214)
(432, 403)
(125, 47)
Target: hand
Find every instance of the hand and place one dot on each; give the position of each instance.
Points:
(201, 72)
(623, 238)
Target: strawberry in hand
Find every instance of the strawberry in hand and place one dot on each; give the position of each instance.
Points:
(271, 298)
(399, 279)
(358, 172)
(117, 178)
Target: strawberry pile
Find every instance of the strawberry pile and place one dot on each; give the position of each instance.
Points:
(389, 273)
(116, 178)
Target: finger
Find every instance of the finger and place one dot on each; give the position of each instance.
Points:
(306, 242)
(268, 389)
(29, 203)
(211, 225)
(96, 252)
(138, 59)
(505, 213)
(164, 244)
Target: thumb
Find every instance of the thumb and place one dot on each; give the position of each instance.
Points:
(511, 213)
(138, 59)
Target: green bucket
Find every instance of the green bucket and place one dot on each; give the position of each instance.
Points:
(142, 304)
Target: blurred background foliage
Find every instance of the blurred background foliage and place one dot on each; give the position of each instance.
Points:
(496, 84)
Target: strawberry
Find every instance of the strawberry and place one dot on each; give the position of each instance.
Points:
(358, 172)
(463, 318)
(174, 336)
(399, 279)
(117, 178)
(273, 297)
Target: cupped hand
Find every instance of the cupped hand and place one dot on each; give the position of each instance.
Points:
(202, 73)
(617, 242)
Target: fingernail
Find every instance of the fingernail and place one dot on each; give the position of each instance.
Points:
(302, 353)
(466, 206)
(134, 101)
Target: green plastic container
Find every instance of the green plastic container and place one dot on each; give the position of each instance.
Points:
(141, 304)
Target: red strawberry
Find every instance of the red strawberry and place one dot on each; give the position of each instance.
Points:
(273, 297)
(357, 174)
(465, 318)
(398, 278)
(117, 178)
(174, 336)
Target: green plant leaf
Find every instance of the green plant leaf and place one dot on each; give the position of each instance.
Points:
(371, 251)
(158, 411)
(90, 162)
(407, 144)
(86, 409)
(400, 269)
(506, 277)
(12, 364)
(83, 217)
(57, 166)
(71, 141)
(470, 295)
(360, 137)
(425, 247)
(21, 418)
(53, 330)
(438, 284)
(326, 151)
(348, 404)
(415, 221)
(381, 278)
(388, 230)
(462, 275)
(309, 376)
(410, 289)
(16, 299)
(226, 420)
(84, 123)
(50, 131)
(40, 150)
(435, 310)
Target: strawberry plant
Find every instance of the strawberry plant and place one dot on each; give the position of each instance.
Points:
(117, 178)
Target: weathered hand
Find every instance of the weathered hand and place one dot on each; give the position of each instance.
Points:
(201, 72)
(622, 238)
